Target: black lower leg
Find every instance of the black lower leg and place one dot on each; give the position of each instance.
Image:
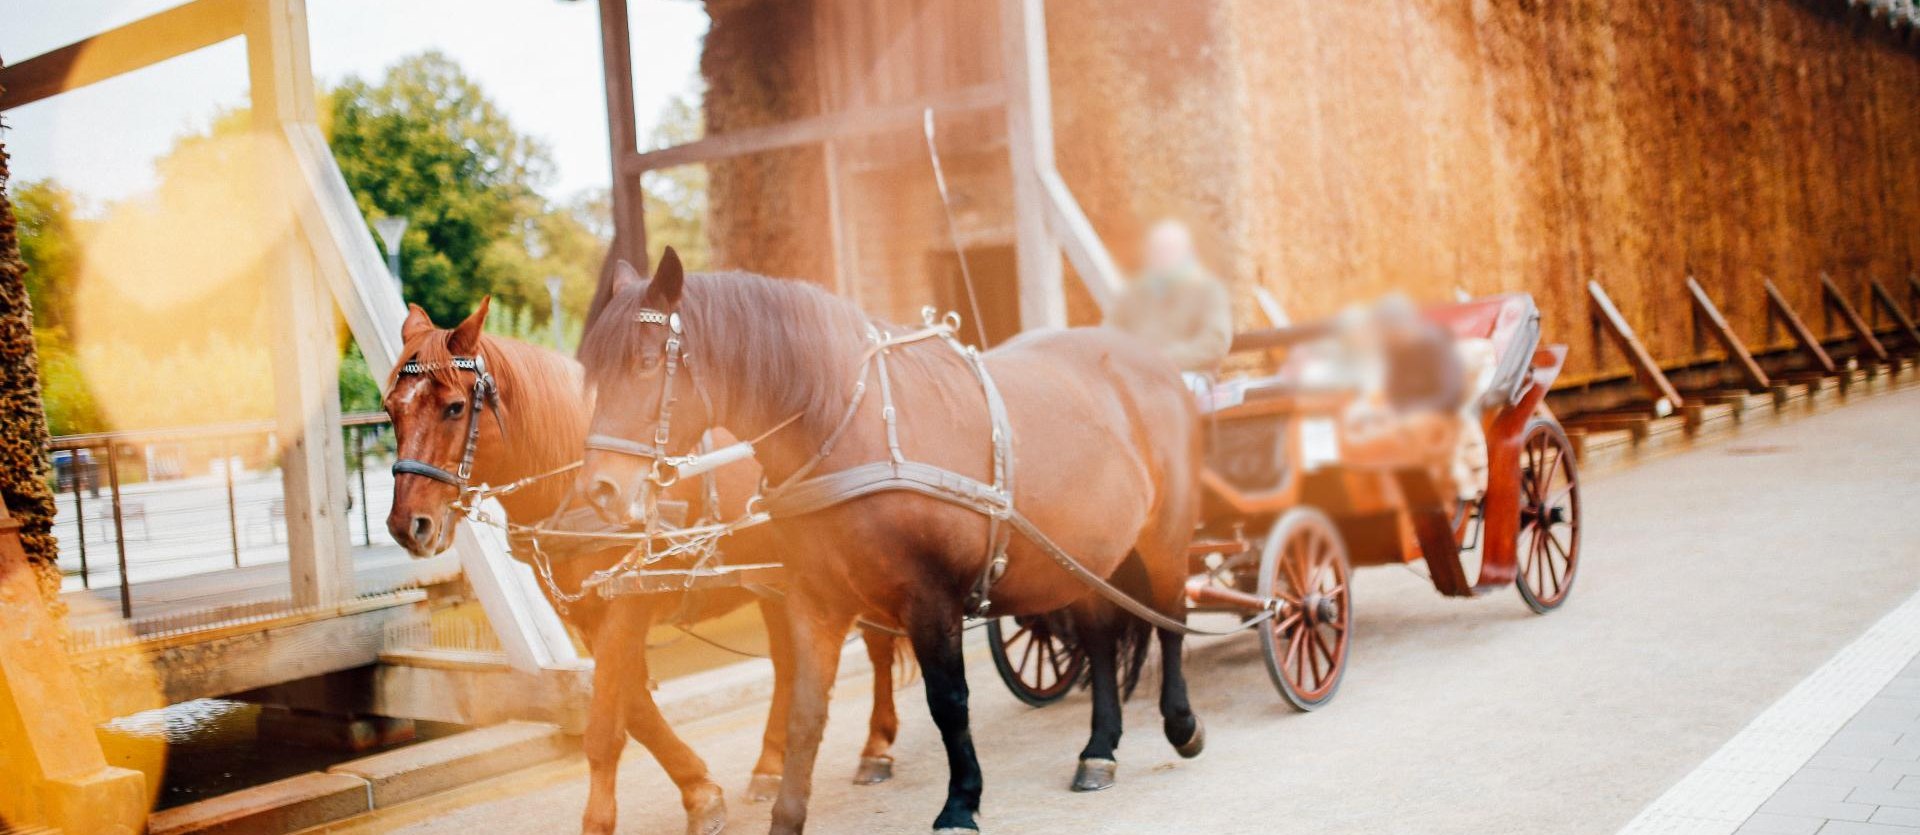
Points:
(1176, 713)
(937, 643)
(1098, 639)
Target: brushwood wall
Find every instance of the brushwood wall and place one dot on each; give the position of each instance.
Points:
(1336, 151)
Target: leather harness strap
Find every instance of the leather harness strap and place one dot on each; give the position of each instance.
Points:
(802, 492)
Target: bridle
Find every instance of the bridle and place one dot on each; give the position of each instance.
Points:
(483, 394)
(675, 358)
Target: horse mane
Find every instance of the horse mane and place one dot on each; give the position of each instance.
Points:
(782, 346)
(541, 403)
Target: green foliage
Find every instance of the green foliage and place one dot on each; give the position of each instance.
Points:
(676, 203)
(359, 392)
(50, 246)
(427, 143)
(49, 237)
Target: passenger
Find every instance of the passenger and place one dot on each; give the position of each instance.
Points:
(1179, 306)
(1411, 395)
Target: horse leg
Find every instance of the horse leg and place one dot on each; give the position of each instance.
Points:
(1183, 727)
(816, 633)
(876, 759)
(765, 783)
(936, 642)
(1097, 764)
(703, 798)
(606, 724)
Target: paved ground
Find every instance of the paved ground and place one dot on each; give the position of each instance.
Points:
(1866, 781)
(1714, 581)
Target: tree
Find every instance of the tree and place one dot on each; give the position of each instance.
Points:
(428, 144)
(23, 423)
(676, 204)
(50, 244)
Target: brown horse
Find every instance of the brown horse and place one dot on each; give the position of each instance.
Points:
(1104, 437)
(543, 414)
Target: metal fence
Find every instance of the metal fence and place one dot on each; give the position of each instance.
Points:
(192, 500)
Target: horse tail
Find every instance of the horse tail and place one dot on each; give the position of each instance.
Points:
(906, 665)
(1135, 637)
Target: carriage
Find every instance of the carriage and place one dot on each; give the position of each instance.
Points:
(1290, 508)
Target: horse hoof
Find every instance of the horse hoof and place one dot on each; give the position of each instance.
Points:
(709, 819)
(1195, 744)
(954, 830)
(763, 787)
(1094, 775)
(873, 770)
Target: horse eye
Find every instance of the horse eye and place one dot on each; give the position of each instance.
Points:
(454, 410)
(649, 362)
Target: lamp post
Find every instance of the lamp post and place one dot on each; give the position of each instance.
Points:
(391, 228)
(553, 309)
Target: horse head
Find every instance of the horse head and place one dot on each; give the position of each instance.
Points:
(434, 399)
(649, 404)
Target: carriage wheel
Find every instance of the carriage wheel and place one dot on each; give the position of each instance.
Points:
(1549, 548)
(1304, 564)
(1037, 656)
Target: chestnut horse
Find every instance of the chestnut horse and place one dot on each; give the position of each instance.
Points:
(542, 412)
(1103, 433)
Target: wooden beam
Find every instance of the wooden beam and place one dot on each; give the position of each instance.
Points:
(1644, 367)
(1705, 310)
(1089, 256)
(1801, 333)
(137, 45)
(1028, 94)
(54, 771)
(814, 130)
(1837, 301)
(302, 643)
(825, 52)
(306, 359)
(629, 202)
(1892, 308)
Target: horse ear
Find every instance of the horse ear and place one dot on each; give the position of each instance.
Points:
(668, 280)
(466, 337)
(417, 323)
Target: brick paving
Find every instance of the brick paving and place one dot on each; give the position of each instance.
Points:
(1865, 781)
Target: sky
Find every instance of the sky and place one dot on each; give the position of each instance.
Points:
(538, 59)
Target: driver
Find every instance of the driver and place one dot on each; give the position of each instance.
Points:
(1178, 306)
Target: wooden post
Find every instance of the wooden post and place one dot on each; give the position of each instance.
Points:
(1892, 308)
(1801, 333)
(53, 772)
(1023, 37)
(629, 202)
(1644, 368)
(306, 360)
(846, 280)
(1861, 330)
(1705, 311)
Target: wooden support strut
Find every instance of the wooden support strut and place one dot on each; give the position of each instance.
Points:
(1644, 367)
(1705, 311)
(1801, 333)
(1886, 301)
(1837, 301)
(1913, 293)
(137, 45)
